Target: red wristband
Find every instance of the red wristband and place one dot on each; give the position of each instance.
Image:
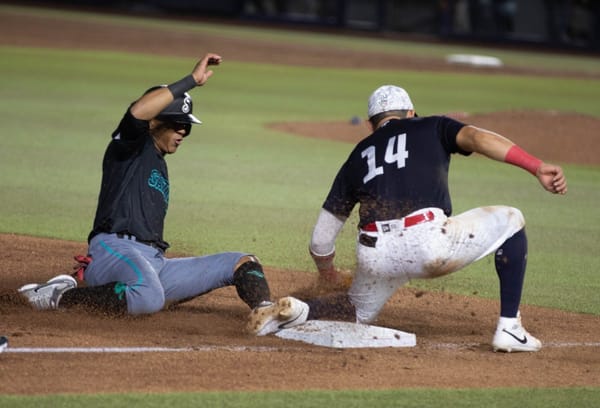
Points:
(521, 158)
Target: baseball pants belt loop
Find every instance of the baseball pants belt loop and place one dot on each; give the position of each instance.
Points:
(408, 221)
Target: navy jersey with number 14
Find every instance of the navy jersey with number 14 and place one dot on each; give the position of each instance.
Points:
(400, 168)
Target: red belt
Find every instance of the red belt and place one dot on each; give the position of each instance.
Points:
(408, 221)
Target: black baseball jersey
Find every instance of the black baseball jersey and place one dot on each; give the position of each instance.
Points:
(400, 168)
(134, 195)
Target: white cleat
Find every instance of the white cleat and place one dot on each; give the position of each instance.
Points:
(270, 318)
(511, 336)
(47, 295)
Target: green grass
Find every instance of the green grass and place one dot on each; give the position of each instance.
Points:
(417, 398)
(237, 186)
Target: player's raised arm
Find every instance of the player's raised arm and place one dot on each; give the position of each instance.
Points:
(498, 147)
(153, 102)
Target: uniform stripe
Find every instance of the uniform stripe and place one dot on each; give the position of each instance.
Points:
(119, 290)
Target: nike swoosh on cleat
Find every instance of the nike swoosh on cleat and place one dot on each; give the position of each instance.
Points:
(522, 341)
(36, 290)
(283, 325)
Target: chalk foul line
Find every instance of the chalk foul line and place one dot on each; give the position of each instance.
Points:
(241, 349)
(136, 349)
(545, 345)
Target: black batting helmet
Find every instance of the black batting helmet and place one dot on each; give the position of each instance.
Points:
(179, 111)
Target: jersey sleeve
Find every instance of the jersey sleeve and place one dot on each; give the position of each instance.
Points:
(130, 129)
(448, 129)
(340, 201)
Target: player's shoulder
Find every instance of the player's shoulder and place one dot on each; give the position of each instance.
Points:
(439, 118)
(431, 118)
(434, 123)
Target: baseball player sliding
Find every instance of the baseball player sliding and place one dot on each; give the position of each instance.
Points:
(399, 177)
(129, 272)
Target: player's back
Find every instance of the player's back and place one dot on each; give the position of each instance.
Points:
(403, 166)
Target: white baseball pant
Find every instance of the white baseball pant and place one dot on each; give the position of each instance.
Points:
(434, 246)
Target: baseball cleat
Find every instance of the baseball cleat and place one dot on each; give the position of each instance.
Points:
(511, 336)
(270, 318)
(3, 343)
(47, 295)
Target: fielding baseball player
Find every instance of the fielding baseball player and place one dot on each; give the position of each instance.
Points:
(129, 272)
(399, 176)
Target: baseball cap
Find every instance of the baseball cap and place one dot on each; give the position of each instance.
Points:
(388, 98)
(179, 111)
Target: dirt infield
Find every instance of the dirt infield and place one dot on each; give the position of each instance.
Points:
(453, 332)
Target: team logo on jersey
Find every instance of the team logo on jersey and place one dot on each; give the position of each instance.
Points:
(160, 184)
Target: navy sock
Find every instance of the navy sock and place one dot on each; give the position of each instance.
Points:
(250, 283)
(511, 261)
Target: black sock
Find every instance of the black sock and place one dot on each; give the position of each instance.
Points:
(251, 285)
(96, 298)
(335, 307)
(511, 261)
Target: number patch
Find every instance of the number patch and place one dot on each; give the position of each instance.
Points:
(395, 152)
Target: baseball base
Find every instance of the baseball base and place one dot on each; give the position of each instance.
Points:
(347, 335)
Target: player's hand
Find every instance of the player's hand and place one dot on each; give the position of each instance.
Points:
(201, 73)
(552, 178)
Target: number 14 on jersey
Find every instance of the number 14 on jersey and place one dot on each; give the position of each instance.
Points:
(395, 152)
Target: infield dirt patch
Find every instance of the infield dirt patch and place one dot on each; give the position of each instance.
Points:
(453, 332)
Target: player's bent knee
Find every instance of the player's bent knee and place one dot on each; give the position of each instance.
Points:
(515, 218)
(510, 216)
